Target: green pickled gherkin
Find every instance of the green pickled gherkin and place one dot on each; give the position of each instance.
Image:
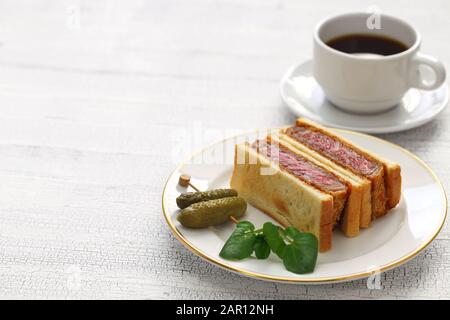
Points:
(212, 212)
(186, 199)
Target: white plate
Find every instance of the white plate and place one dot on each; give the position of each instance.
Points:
(305, 98)
(389, 242)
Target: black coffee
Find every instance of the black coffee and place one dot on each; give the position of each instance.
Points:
(364, 43)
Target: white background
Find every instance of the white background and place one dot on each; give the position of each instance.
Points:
(96, 98)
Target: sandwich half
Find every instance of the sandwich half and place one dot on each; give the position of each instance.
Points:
(343, 155)
(289, 187)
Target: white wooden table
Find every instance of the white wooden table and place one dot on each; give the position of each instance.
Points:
(93, 98)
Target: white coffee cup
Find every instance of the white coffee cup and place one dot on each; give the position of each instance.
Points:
(370, 83)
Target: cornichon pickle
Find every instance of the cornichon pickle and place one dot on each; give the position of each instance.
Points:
(186, 199)
(212, 212)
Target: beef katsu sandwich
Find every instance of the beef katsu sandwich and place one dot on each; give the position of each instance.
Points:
(308, 177)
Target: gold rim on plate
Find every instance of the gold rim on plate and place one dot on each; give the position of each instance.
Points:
(262, 276)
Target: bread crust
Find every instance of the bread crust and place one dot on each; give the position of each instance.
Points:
(393, 184)
(366, 206)
(282, 196)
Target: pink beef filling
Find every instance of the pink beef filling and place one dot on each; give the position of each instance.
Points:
(299, 167)
(334, 150)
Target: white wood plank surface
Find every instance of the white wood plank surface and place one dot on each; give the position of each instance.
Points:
(93, 98)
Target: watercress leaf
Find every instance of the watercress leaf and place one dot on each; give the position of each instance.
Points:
(241, 242)
(274, 239)
(262, 249)
(301, 255)
(291, 232)
(247, 225)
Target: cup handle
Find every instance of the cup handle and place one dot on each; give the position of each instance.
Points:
(416, 79)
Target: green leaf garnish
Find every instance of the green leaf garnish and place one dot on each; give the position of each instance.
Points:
(300, 256)
(241, 242)
(262, 249)
(291, 232)
(272, 235)
(298, 250)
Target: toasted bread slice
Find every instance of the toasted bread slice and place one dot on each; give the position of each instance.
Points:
(358, 210)
(283, 196)
(392, 181)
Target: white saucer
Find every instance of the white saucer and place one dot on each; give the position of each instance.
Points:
(305, 98)
(389, 242)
